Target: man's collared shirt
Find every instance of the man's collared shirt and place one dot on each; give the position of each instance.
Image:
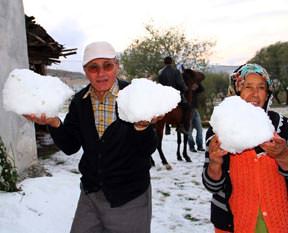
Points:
(104, 110)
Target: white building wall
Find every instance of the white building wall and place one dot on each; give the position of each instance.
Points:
(17, 133)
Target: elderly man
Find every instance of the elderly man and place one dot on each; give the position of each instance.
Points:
(115, 183)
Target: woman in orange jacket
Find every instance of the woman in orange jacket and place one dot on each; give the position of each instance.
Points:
(250, 191)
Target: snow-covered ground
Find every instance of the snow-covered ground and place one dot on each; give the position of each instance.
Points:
(47, 204)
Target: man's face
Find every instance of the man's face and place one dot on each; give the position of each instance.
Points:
(102, 73)
(254, 90)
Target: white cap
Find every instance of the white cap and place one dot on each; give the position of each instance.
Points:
(99, 49)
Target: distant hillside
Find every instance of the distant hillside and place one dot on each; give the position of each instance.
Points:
(65, 73)
(75, 80)
(221, 69)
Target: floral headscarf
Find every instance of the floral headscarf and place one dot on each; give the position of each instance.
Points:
(239, 75)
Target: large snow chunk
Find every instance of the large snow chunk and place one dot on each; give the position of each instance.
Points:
(143, 99)
(240, 125)
(26, 92)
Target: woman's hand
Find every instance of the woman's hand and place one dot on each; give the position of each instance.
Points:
(216, 158)
(216, 153)
(277, 149)
(43, 120)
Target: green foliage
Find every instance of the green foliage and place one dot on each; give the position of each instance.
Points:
(8, 174)
(275, 59)
(216, 86)
(144, 57)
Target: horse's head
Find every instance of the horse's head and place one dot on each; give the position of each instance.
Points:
(192, 78)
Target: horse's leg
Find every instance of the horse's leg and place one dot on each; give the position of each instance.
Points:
(162, 157)
(159, 126)
(152, 161)
(178, 146)
(185, 154)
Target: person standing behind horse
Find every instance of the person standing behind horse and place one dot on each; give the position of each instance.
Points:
(115, 184)
(196, 118)
(170, 76)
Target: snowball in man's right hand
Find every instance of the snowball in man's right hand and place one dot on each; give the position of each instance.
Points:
(26, 92)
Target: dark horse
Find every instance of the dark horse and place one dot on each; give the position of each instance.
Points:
(174, 118)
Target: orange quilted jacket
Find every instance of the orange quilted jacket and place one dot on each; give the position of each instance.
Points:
(256, 183)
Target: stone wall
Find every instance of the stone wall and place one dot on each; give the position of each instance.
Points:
(17, 133)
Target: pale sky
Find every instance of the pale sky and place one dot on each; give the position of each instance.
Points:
(239, 27)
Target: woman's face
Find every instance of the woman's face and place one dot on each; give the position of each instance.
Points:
(254, 90)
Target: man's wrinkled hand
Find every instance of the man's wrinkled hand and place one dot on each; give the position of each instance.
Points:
(43, 120)
(142, 125)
